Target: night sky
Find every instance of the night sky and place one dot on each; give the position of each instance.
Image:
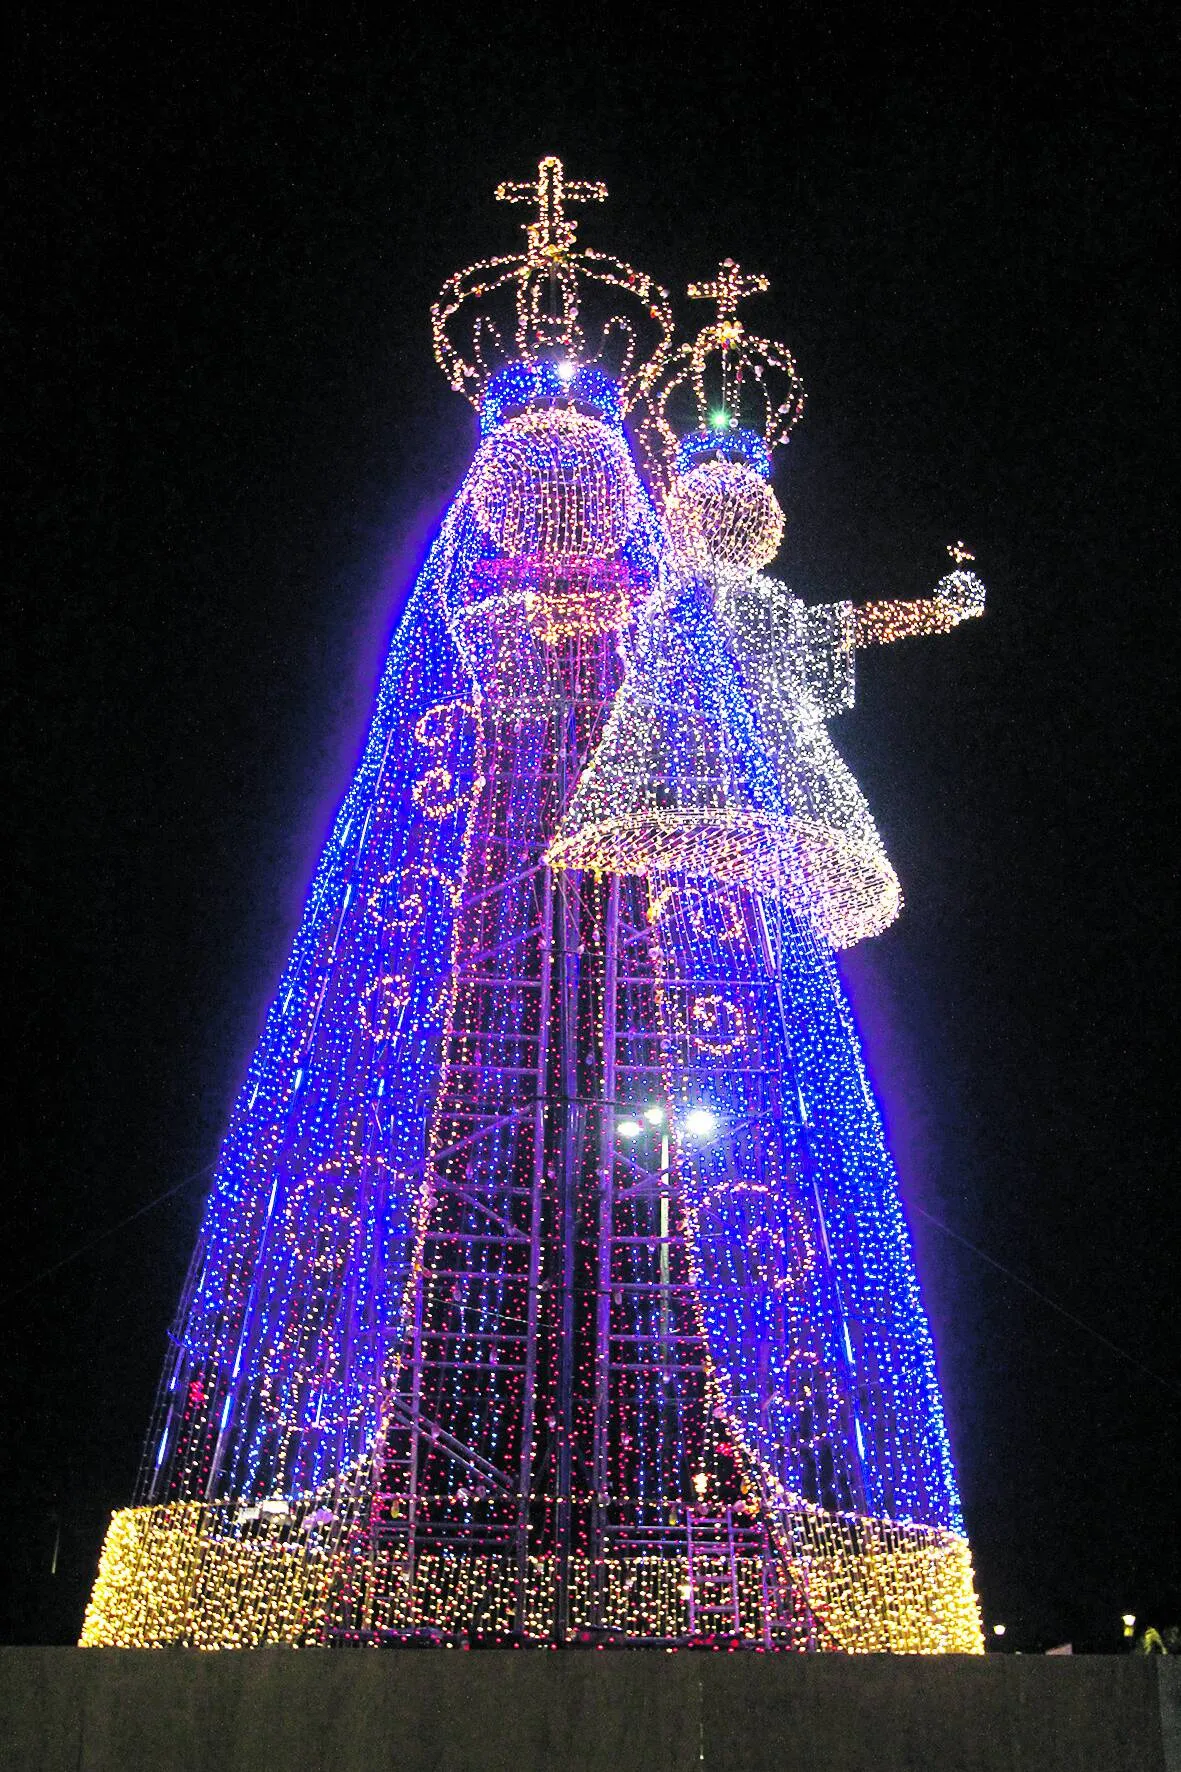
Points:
(231, 442)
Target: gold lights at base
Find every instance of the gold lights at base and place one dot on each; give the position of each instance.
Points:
(216, 1576)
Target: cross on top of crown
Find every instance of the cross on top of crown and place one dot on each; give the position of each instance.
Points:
(959, 552)
(552, 234)
(728, 288)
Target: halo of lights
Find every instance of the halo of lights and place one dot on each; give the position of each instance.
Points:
(727, 444)
(516, 386)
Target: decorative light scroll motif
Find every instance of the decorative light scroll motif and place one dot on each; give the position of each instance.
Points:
(718, 1024)
(398, 900)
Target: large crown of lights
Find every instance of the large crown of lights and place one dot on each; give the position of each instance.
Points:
(552, 313)
(727, 400)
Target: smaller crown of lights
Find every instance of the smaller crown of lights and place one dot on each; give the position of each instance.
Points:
(729, 392)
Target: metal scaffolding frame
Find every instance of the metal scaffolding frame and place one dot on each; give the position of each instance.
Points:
(551, 1417)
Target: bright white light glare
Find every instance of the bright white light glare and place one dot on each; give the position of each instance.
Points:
(654, 1116)
(998, 1630)
(699, 1122)
(629, 1129)
(566, 371)
(1129, 1619)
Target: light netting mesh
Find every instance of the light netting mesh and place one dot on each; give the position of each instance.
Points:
(193, 1575)
(716, 760)
(731, 510)
(796, 664)
(553, 482)
(680, 780)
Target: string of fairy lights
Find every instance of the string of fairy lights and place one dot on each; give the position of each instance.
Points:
(554, 1276)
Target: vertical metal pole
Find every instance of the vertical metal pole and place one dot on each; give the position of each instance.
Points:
(606, 1203)
(569, 888)
(664, 1268)
(415, 1409)
(529, 1401)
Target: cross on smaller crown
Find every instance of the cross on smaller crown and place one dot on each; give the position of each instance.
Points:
(959, 552)
(728, 288)
(552, 234)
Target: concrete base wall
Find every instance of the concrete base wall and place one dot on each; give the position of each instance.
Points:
(126, 1710)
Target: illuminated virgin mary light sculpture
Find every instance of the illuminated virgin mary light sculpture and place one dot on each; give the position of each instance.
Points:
(554, 1284)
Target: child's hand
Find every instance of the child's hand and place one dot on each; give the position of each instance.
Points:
(961, 594)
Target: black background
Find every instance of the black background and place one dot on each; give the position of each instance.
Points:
(231, 442)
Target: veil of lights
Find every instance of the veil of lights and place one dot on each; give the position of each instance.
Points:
(554, 1286)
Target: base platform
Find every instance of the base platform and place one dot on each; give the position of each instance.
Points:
(315, 1710)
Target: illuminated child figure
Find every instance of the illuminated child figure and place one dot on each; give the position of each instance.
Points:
(554, 1284)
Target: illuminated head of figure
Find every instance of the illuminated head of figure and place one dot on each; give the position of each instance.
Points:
(726, 401)
(553, 482)
(723, 504)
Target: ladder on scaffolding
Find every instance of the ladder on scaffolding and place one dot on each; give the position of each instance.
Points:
(713, 1550)
(717, 1546)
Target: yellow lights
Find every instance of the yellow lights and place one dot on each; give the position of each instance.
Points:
(555, 1247)
(529, 619)
(883, 1586)
(722, 846)
(959, 596)
(187, 1573)
(530, 305)
(522, 614)
(553, 483)
(205, 1576)
(728, 288)
(732, 380)
(552, 234)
